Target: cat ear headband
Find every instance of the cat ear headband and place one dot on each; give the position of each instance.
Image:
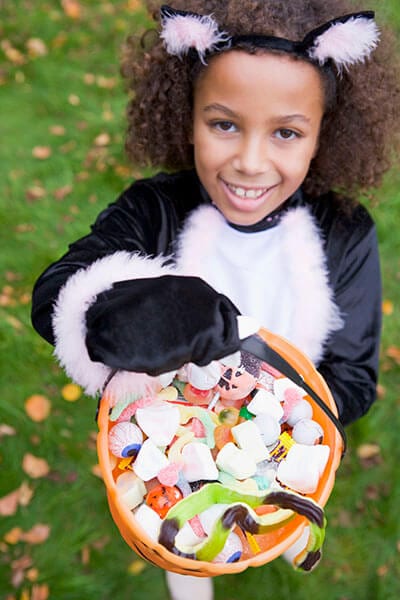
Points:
(346, 40)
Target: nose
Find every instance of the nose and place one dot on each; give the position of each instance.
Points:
(252, 155)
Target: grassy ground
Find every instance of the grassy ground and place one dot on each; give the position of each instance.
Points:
(61, 160)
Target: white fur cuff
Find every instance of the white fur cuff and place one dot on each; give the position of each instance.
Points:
(69, 320)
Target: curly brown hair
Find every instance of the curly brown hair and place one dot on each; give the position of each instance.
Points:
(360, 133)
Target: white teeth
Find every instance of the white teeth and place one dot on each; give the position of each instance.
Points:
(242, 193)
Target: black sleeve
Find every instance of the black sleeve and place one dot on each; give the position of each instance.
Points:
(140, 221)
(350, 363)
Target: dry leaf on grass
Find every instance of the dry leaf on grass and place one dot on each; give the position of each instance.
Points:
(72, 8)
(41, 152)
(37, 535)
(9, 504)
(19, 497)
(37, 407)
(387, 307)
(394, 353)
(13, 536)
(136, 567)
(40, 592)
(367, 451)
(71, 392)
(6, 430)
(34, 466)
(62, 192)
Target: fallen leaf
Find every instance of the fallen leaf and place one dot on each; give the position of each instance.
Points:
(62, 192)
(9, 504)
(37, 535)
(25, 493)
(13, 55)
(57, 129)
(25, 228)
(367, 451)
(387, 307)
(394, 353)
(34, 466)
(37, 407)
(41, 152)
(103, 139)
(13, 536)
(32, 574)
(71, 392)
(40, 591)
(382, 570)
(14, 322)
(89, 78)
(72, 8)
(106, 82)
(74, 100)
(25, 298)
(85, 555)
(380, 390)
(36, 47)
(35, 193)
(6, 430)
(136, 567)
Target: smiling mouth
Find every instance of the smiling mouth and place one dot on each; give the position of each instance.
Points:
(252, 193)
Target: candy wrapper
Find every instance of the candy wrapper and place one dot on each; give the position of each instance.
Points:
(222, 466)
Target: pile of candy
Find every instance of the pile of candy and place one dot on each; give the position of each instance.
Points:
(219, 455)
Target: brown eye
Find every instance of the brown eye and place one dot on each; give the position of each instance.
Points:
(286, 134)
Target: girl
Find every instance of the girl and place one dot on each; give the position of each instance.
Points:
(270, 118)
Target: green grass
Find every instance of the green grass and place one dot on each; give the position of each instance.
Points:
(76, 85)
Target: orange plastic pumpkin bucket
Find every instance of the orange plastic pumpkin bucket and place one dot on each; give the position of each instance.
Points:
(271, 545)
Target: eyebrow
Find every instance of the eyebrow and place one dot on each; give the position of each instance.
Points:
(227, 111)
(279, 119)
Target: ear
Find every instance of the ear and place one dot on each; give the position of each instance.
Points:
(346, 40)
(183, 31)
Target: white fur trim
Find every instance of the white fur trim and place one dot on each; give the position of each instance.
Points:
(315, 313)
(74, 299)
(346, 43)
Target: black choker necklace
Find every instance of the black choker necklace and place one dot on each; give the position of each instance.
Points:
(273, 218)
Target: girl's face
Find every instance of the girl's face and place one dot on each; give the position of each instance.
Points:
(255, 131)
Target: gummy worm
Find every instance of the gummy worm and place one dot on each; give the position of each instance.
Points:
(241, 513)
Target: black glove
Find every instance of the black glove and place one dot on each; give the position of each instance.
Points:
(156, 325)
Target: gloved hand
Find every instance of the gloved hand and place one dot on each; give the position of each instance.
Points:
(155, 325)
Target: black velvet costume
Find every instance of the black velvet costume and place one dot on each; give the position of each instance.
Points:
(148, 217)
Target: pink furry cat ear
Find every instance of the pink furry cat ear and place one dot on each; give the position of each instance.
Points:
(347, 40)
(183, 31)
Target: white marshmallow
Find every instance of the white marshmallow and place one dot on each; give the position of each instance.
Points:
(198, 462)
(248, 437)
(236, 462)
(149, 521)
(301, 410)
(269, 428)
(303, 467)
(131, 489)
(264, 402)
(307, 431)
(149, 461)
(159, 422)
